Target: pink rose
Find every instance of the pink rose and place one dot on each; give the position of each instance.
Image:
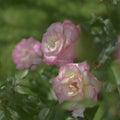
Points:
(27, 54)
(117, 51)
(58, 43)
(74, 83)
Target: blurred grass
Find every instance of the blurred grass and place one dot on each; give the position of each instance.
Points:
(29, 18)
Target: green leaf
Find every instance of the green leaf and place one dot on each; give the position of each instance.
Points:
(14, 114)
(1, 115)
(116, 72)
(99, 113)
(70, 118)
(22, 75)
(81, 103)
(43, 114)
(21, 89)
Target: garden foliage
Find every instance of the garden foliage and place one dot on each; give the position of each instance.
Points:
(29, 92)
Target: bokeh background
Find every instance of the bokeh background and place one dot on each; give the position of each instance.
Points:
(100, 24)
(30, 18)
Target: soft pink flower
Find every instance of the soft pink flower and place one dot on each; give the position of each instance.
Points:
(117, 51)
(58, 43)
(74, 83)
(27, 54)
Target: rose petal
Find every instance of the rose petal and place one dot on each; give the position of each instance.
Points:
(68, 70)
(57, 27)
(90, 92)
(27, 52)
(71, 32)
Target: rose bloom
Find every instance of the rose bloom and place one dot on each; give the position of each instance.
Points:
(117, 51)
(27, 54)
(58, 43)
(74, 83)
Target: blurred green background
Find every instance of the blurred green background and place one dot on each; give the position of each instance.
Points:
(30, 18)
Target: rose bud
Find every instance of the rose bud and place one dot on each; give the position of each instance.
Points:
(27, 54)
(58, 43)
(75, 83)
(117, 51)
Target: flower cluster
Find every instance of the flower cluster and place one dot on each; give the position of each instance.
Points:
(74, 82)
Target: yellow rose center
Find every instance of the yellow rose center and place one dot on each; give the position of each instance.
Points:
(72, 81)
(72, 88)
(52, 43)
